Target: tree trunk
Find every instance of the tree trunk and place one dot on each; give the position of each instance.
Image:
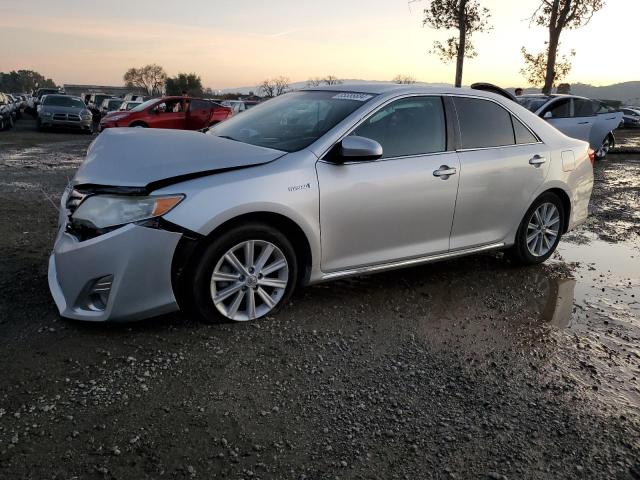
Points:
(462, 40)
(554, 38)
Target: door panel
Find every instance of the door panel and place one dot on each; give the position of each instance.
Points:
(385, 210)
(604, 123)
(496, 187)
(198, 115)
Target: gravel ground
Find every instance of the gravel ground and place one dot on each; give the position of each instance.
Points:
(468, 369)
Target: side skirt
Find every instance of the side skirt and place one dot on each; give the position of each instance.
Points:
(407, 263)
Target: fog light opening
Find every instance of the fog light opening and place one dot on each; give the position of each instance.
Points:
(98, 295)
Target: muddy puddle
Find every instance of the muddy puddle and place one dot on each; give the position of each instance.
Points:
(68, 157)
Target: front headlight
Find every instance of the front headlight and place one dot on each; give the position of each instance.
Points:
(46, 114)
(86, 115)
(118, 116)
(102, 211)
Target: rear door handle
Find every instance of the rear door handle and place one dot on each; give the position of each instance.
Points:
(444, 172)
(537, 160)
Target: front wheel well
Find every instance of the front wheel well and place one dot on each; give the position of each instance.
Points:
(566, 204)
(190, 249)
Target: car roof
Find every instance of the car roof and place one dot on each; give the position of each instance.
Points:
(377, 88)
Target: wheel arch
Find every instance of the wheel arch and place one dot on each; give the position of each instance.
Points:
(191, 247)
(566, 204)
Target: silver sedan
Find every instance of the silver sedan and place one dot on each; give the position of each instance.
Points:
(311, 186)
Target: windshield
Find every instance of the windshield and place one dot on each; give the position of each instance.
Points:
(532, 103)
(144, 105)
(292, 121)
(61, 101)
(113, 104)
(132, 105)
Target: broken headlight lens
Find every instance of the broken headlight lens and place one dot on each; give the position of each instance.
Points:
(102, 211)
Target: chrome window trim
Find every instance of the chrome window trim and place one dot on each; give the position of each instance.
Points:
(408, 262)
(409, 95)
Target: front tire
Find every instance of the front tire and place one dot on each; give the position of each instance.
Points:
(539, 232)
(247, 273)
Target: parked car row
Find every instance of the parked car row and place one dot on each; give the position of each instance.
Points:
(11, 106)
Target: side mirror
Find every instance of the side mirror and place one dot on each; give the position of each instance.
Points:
(354, 149)
(547, 115)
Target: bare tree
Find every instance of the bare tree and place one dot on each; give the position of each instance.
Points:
(267, 88)
(404, 79)
(314, 82)
(151, 78)
(557, 15)
(465, 16)
(331, 80)
(281, 84)
(535, 67)
(272, 87)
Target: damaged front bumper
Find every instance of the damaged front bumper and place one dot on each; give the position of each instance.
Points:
(124, 274)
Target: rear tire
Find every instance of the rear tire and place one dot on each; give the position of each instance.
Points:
(259, 285)
(539, 232)
(139, 125)
(604, 149)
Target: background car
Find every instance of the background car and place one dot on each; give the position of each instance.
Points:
(110, 105)
(64, 111)
(6, 118)
(128, 105)
(37, 98)
(631, 117)
(95, 101)
(133, 97)
(182, 113)
(238, 106)
(577, 117)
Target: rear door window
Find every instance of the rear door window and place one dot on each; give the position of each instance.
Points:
(410, 126)
(483, 123)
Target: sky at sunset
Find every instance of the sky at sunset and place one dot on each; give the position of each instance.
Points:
(234, 43)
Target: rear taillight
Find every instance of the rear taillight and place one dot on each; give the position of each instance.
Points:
(592, 156)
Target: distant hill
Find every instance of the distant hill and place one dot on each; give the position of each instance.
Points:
(299, 85)
(627, 92)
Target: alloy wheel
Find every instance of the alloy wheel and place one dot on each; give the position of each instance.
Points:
(543, 229)
(249, 280)
(604, 148)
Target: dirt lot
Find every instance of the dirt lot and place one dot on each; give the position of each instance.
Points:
(466, 369)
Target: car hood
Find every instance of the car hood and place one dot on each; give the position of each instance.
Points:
(150, 158)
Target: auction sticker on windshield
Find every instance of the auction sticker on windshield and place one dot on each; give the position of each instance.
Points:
(361, 97)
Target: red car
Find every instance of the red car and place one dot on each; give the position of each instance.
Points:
(183, 113)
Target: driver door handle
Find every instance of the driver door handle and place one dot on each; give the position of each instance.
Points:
(537, 160)
(444, 172)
